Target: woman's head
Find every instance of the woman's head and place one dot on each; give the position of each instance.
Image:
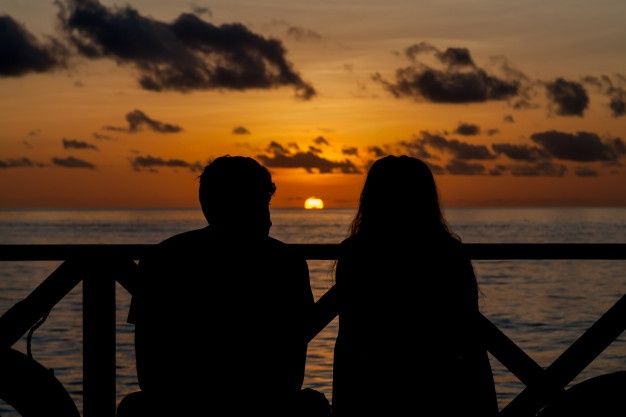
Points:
(399, 197)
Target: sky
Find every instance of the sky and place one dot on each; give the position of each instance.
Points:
(113, 104)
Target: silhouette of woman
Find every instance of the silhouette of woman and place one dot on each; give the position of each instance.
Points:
(407, 294)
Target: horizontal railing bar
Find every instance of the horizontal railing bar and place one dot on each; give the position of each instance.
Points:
(476, 251)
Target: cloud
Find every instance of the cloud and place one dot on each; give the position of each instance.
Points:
(100, 136)
(585, 172)
(581, 146)
(240, 130)
(569, 97)
(350, 150)
(467, 129)
(377, 151)
(22, 162)
(414, 147)
(618, 105)
(71, 162)
(151, 163)
(186, 54)
(21, 52)
(136, 119)
(281, 157)
(78, 144)
(201, 10)
(520, 152)
(301, 34)
(458, 149)
(275, 147)
(315, 150)
(451, 56)
(524, 104)
(321, 140)
(539, 169)
(459, 167)
(459, 81)
(509, 118)
(491, 132)
(612, 87)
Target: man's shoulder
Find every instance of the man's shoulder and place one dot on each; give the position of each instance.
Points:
(186, 238)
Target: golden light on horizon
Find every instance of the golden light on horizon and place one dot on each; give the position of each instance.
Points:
(313, 203)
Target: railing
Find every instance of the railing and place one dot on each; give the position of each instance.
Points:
(99, 313)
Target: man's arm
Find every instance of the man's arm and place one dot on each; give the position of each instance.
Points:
(307, 303)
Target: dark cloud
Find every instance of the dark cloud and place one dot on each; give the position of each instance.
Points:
(415, 147)
(459, 167)
(498, 170)
(524, 104)
(315, 150)
(491, 132)
(78, 144)
(618, 105)
(321, 140)
(21, 52)
(508, 118)
(23, 162)
(350, 150)
(459, 81)
(280, 157)
(100, 136)
(569, 97)
(451, 56)
(377, 151)
(186, 54)
(436, 169)
(581, 146)
(137, 119)
(458, 149)
(539, 169)
(301, 34)
(585, 172)
(275, 147)
(240, 130)
(201, 10)
(150, 162)
(520, 152)
(612, 87)
(467, 129)
(293, 145)
(71, 162)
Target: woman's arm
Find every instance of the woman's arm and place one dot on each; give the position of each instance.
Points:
(484, 394)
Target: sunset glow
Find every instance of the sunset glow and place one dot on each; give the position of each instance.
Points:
(519, 108)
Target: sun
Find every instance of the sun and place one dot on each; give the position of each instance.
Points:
(313, 203)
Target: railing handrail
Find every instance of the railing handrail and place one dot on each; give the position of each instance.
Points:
(99, 313)
(325, 251)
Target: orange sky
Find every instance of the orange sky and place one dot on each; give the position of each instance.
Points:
(337, 49)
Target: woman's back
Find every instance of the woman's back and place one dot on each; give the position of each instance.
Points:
(408, 301)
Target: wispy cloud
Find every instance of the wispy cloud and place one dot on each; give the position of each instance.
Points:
(137, 119)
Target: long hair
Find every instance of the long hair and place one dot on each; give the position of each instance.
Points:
(400, 197)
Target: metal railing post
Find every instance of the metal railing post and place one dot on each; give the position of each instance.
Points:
(99, 345)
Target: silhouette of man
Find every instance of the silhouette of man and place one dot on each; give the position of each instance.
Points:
(221, 312)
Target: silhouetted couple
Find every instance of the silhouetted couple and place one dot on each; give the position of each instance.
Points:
(221, 314)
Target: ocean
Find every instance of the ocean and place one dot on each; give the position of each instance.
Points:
(542, 305)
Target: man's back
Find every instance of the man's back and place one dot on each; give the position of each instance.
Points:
(220, 322)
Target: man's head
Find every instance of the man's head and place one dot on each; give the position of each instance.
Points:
(235, 193)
